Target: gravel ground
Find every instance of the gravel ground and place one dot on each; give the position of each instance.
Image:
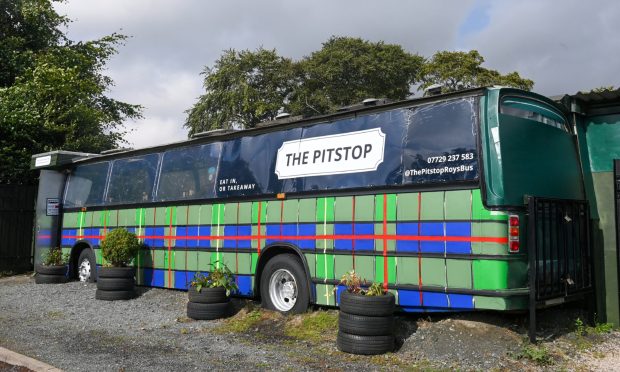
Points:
(63, 325)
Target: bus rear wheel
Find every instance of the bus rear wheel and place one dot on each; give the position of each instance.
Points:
(283, 285)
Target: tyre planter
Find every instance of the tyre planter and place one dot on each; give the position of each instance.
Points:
(115, 283)
(208, 304)
(50, 274)
(366, 324)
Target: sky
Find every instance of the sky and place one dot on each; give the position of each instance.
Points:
(565, 46)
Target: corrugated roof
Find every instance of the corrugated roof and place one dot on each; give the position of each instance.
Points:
(598, 97)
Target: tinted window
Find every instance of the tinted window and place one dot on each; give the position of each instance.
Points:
(86, 185)
(440, 145)
(189, 173)
(247, 166)
(532, 110)
(132, 179)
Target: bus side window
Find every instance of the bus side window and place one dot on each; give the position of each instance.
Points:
(188, 173)
(86, 185)
(132, 180)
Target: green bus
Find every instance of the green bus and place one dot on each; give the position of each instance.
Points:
(463, 201)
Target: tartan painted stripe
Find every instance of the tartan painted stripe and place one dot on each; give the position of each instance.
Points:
(377, 235)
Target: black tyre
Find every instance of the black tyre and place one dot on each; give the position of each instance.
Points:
(365, 325)
(284, 285)
(357, 304)
(86, 266)
(207, 295)
(49, 279)
(208, 311)
(365, 345)
(51, 269)
(114, 295)
(116, 284)
(116, 272)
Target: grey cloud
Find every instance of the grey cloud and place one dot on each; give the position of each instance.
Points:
(564, 46)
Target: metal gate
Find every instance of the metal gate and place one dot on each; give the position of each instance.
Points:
(16, 221)
(560, 253)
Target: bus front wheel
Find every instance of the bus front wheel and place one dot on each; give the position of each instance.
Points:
(86, 266)
(283, 285)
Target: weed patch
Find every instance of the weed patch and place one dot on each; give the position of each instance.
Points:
(246, 319)
(315, 326)
(538, 354)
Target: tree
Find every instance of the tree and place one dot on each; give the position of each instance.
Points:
(455, 71)
(602, 89)
(53, 93)
(347, 70)
(242, 89)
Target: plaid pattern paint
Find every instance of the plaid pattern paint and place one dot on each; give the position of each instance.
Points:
(422, 246)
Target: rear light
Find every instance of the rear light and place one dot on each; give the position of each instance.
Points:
(513, 234)
(514, 246)
(514, 221)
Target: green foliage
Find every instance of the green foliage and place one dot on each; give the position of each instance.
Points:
(54, 257)
(219, 276)
(537, 354)
(355, 284)
(348, 70)
(119, 247)
(52, 90)
(242, 89)
(375, 289)
(462, 70)
(599, 328)
(580, 328)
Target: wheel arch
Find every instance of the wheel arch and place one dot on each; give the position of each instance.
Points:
(276, 249)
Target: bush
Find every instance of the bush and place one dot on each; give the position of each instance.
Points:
(54, 257)
(120, 247)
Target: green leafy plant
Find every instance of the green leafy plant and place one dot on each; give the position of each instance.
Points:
(54, 257)
(219, 276)
(120, 247)
(537, 354)
(355, 284)
(375, 289)
(580, 328)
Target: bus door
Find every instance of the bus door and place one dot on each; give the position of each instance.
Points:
(48, 211)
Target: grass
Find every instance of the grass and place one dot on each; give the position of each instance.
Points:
(242, 322)
(314, 326)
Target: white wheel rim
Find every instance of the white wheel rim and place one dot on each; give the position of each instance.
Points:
(84, 270)
(283, 290)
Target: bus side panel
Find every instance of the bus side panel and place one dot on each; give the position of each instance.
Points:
(436, 251)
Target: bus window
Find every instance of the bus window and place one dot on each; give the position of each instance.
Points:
(132, 179)
(86, 185)
(440, 145)
(189, 173)
(532, 110)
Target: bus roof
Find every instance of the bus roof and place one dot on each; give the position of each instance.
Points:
(289, 122)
